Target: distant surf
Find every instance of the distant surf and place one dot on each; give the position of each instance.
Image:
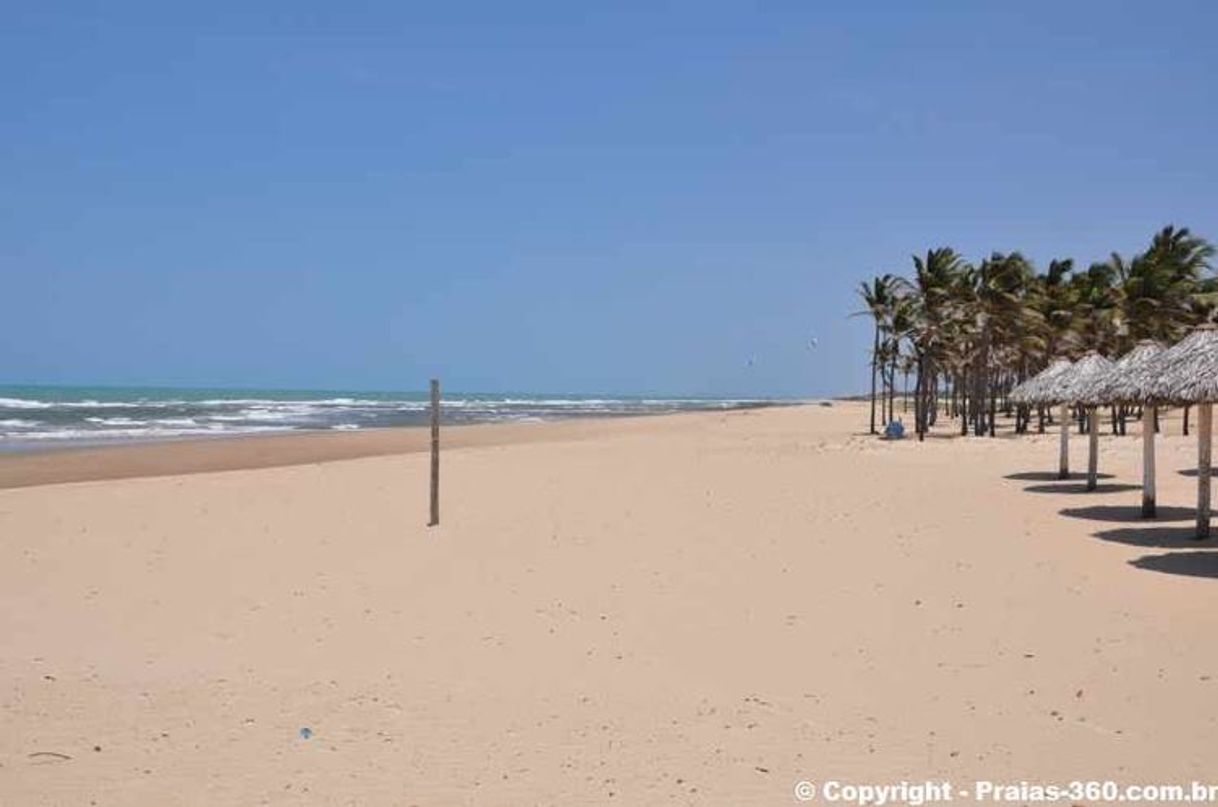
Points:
(44, 416)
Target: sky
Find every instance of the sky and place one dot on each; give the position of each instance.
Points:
(620, 197)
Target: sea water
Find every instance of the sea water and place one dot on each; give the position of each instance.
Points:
(44, 416)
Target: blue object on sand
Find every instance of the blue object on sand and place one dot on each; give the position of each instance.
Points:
(895, 430)
(306, 733)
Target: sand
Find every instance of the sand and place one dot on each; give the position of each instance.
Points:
(697, 609)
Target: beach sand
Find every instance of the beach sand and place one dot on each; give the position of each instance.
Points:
(695, 609)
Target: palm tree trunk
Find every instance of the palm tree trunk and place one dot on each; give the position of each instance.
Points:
(964, 401)
(875, 356)
(1205, 421)
(978, 399)
(892, 387)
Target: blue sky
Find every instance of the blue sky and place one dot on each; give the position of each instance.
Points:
(560, 196)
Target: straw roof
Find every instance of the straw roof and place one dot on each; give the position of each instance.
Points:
(1071, 386)
(1130, 376)
(1032, 391)
(1187, 372)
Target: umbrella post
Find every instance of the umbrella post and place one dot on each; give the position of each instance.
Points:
(1148, 462)
(1205, 422)
(1063, 467)
(1093, 447)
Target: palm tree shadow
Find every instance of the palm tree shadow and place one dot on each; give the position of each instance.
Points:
(1049, 476)
(1081, 487)
(1158, 537)
(1121, 512)
(1190, 564)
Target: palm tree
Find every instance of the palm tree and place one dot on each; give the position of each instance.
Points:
(1056, 301)
(877, 296)
(973, 332)
(935, 278)
(1096, 314)
(1175, 295)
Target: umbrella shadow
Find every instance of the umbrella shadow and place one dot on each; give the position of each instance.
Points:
(1122, 512)
(1152, 537)
(1049, 476)
(1081, 487)
(1189, 564)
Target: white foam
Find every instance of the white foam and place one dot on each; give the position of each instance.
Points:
(27, 403)
(115, 421)
(23, 403)
(146, 433)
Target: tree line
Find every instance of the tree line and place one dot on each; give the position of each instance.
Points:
(968, 332)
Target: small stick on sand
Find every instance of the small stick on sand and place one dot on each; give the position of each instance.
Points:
(47, 757)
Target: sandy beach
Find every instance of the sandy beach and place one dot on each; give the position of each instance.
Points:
(695, 609)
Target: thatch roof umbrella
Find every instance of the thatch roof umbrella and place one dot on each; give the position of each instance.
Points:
(1188, 374)
(1030, 391)
(1035, 391)
(1128, 384)
(1073, 386)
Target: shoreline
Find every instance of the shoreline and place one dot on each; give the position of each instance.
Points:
(197, 455)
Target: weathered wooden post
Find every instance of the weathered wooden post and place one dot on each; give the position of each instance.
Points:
(435, 453)
(1205, 424)
(1148, 461)
(1063, 467)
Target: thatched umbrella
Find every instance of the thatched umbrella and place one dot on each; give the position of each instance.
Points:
(1128, 384)
(1188, 374)
(1073, 386)
(1037, 392)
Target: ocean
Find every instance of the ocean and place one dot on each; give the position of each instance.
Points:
(33, 417)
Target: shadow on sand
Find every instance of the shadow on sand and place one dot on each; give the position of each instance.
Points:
(1190, 564)
(1048, 476)
(1131, 513)
(1081, 487)
(1153, 537)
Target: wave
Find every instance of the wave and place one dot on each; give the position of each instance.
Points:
(28, 417)
(28, 403)
(100, 421)
(23, 403)
(150, 432)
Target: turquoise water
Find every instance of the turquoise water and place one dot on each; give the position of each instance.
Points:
(42, 416)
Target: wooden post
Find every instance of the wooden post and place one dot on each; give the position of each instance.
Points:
(1093, 447)
(1205, 424)
(1064, 466)
(1148, 461)
(435, 453)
